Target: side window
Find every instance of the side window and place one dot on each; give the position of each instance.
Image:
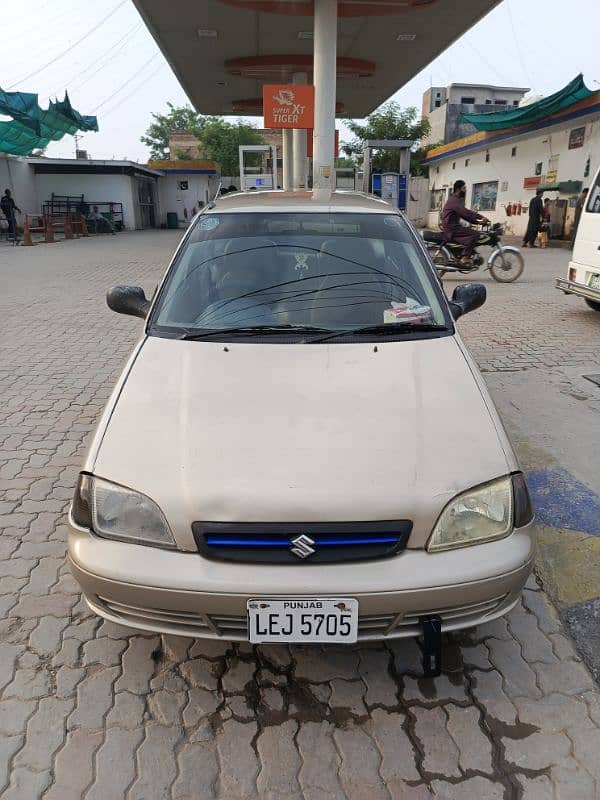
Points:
(593, 203)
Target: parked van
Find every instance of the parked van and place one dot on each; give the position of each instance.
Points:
(583, 277)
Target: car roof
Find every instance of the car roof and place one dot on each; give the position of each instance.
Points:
(278, 201)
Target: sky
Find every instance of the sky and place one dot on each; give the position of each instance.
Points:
(112, 67)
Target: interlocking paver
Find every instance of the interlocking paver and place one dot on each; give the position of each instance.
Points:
(280, 762)
(440, 753)
(359, 770)
(475, 748)
(136, 715)
(198, 773)
(320, 762)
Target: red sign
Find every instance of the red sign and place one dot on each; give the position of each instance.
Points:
(289, 106)
(309, 144)
(532, 183)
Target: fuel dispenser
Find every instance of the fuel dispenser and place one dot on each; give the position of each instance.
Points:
(391, 187)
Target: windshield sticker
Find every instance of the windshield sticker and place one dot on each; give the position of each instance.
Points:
(209, 222)
(301, 262)
(411, 311)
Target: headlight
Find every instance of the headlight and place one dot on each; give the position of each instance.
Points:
(114, 512)
(479, 515)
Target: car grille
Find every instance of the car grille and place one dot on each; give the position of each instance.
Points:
(234, 628)
(299, 543)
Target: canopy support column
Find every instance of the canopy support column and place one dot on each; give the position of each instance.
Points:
(288, 160)
(325, 61)
(300, 158)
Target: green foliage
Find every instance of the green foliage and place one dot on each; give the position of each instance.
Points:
(218, 139)
(177, 118)
(342, 162)
(388, 122)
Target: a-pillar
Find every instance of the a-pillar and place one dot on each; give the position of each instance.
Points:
(288, 160)
(300, 157)
(325, 60)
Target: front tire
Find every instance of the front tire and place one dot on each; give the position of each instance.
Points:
(506, 266)
(593, 304)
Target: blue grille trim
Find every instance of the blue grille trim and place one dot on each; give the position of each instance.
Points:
(320, 541)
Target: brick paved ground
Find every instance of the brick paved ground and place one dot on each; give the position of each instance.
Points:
(88, 709)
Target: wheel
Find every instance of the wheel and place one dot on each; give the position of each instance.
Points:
(593, 304)
(441, 261)
(506, 266)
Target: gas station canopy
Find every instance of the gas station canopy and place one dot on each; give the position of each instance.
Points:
(223, 51)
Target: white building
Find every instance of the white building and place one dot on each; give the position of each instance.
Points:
(444, 105)
(503, 168)
(138, 196)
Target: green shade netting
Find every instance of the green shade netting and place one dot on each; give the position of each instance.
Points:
(514, 117)
(33, 127)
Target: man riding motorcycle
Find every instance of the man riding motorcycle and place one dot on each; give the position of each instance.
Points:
(452, 213)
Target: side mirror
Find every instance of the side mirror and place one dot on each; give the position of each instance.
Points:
(467, 297)
(128, 300)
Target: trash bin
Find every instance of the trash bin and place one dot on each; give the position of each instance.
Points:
(172, 219)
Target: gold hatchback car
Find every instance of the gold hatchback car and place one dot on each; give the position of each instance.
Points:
(300, 448)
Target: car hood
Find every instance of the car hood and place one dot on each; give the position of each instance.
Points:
(255, 432)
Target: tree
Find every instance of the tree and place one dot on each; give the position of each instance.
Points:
(177, 118)
(388, 122)
(220, 141)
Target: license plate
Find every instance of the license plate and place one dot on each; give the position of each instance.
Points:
(303, 620)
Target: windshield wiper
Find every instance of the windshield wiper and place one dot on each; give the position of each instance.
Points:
(389, 329)
(258, 330)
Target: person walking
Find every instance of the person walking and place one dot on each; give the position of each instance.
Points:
(545, 229)
(536, 209)
(8, 206)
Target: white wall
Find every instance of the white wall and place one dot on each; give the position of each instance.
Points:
(418, 201)
(511, 170)
(174, 199)
(95, 188)
(17, 175)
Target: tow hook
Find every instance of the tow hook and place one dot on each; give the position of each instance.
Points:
(432, 646)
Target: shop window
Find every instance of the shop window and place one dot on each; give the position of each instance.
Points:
(513, 152)
(454, 165)
(484, 196)
(466, 162)
(437, 199)
(487, 156)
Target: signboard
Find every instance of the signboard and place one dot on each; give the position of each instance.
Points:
(289, 106)
(309, 144)
(532, 183)
(576, 138)
(551, 176)
(184, 185)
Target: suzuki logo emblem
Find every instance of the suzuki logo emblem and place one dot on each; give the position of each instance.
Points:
(303, 546)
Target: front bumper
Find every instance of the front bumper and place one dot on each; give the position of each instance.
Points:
(580, 289)
(182, 593)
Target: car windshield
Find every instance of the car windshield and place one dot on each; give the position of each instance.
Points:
(281, 271)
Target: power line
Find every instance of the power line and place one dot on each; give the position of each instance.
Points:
(517, 45)
(485, 60)
(133, 91)
(71, 47)
(127, 82)
(124, 40)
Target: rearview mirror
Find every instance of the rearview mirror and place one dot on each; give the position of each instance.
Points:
(128, 300)
(467, 297)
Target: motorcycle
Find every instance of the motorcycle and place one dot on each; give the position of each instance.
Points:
(505, 262)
